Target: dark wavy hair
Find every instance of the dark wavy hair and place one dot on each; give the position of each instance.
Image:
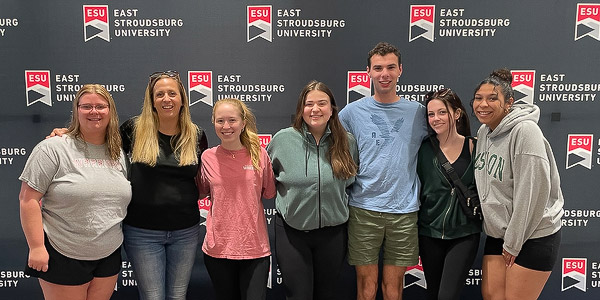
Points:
(383, 48)
(501, 79)
(450, 100)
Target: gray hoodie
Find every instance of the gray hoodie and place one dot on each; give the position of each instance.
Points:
(518, 180)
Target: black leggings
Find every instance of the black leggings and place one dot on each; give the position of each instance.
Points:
(446, 264)
(244, 279)
(310, 261)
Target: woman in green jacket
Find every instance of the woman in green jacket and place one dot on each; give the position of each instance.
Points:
(313, 161)
(448, 240)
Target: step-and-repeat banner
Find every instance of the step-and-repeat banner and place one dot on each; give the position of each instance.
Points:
(264, 52)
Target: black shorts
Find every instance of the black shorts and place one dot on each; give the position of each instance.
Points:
(537, 254)
(68, 271)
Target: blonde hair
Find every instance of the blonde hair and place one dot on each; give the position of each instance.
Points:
(113, 136)
(145, 133)
(248, 136)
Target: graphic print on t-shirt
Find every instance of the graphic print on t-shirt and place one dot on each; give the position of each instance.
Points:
(384, 130)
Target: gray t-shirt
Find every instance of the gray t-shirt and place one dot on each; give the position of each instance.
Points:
(85, 196)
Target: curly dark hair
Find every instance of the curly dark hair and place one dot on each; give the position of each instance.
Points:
(383, 48)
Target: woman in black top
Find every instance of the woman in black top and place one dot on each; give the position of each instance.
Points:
(162, 224)
(448, 240)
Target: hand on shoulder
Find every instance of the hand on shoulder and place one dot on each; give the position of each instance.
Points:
(57, 132)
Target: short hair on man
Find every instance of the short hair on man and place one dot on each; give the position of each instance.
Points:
(383, 48)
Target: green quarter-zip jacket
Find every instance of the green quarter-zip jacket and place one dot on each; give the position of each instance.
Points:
(309, 196)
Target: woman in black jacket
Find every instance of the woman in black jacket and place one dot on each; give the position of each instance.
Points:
(448, 240)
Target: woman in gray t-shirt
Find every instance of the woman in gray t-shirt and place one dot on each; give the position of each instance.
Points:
(74, 196)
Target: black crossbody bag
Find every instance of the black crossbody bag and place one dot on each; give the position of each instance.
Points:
(467, 198)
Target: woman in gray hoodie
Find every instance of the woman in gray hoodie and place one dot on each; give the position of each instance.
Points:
(520, 193)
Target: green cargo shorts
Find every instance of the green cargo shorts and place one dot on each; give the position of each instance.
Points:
(369, 230)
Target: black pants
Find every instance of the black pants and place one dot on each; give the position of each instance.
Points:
(244, 279)
(446, 264)
(310, 261)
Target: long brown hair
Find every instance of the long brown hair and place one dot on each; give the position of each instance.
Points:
(450, 100)
(339, 156)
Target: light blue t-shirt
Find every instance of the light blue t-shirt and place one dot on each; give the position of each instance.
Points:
(389, 136)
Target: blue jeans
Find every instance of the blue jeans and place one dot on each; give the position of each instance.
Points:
(162, 261)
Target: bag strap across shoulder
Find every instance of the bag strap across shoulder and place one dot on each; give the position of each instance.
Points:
(447, 166)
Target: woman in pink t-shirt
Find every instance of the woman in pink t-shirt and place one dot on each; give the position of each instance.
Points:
(236, 174)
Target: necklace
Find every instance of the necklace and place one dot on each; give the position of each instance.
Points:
(232, 153)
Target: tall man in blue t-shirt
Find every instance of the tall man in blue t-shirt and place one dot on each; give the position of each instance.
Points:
(384, 199)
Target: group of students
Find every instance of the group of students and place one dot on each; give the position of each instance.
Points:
(347, 184)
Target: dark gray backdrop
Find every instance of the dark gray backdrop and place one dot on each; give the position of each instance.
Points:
(553, 40)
